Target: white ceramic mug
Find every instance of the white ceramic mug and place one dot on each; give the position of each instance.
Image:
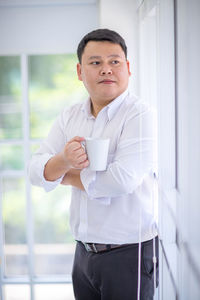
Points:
(97, 152)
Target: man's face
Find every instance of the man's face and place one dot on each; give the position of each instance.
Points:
(104, 71)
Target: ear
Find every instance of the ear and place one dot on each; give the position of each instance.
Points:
(79, 71)
(128, 67)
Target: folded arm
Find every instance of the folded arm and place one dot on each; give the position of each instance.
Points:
(135, 158)
(72, 156)
(55, 158)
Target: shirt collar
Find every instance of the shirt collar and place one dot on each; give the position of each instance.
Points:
(86, 108)
(111, 108)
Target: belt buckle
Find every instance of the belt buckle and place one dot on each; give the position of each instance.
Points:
(90, 248)
(87, 247)
(94, 248)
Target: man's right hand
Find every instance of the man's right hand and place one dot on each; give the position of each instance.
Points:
(72, 156)
(74, 153)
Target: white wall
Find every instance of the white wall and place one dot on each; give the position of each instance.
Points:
(45, 27)
(121, 16)
(188, 146)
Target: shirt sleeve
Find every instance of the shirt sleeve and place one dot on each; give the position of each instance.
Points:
(134, 159)
(52, 145)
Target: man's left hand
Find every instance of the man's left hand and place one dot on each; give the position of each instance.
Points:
(72, 177)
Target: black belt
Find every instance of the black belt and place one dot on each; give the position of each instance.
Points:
(93, 247)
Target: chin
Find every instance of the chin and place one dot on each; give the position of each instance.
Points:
(111, 95)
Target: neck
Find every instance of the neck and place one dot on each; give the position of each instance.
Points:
(95, 108)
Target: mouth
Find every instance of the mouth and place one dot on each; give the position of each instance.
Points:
(107, 81)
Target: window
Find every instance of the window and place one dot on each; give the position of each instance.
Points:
(36, 248)
(36, 243)
(157, 86)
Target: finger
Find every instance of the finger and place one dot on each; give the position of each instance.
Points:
(81, 158)
(74, 146)
(84, 164)
(80, 152)
(76, 139)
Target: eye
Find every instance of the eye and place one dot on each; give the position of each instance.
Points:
(95, 63)
(115, 62)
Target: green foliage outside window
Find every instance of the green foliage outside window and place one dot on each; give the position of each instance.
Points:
(53, 84)
(10, 98)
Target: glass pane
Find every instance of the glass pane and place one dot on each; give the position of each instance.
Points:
(54, 248)
(168, 290)
(53, 84)
(54, 292)
(17, 292)
(11, 157)
(16, 260)
(14, 221)
(10, 98)
(34, 147)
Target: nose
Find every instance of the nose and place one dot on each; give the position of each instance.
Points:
(106, 70)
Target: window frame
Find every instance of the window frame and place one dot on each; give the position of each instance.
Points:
(11, 47)
(26, 143)
(167, 139)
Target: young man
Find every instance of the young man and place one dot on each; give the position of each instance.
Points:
(111, 211)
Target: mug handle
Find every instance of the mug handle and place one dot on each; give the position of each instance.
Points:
(83, 145)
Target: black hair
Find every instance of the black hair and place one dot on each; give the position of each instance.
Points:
(99, 35)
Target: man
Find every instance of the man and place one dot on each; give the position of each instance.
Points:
(111, 211)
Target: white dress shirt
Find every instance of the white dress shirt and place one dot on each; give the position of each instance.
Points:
(118, 205)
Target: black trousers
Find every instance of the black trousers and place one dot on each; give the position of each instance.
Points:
(113, 275)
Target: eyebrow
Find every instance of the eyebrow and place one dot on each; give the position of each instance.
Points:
(98, 56)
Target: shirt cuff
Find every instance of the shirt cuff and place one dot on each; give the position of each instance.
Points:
(39, 167)
(88, 179)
